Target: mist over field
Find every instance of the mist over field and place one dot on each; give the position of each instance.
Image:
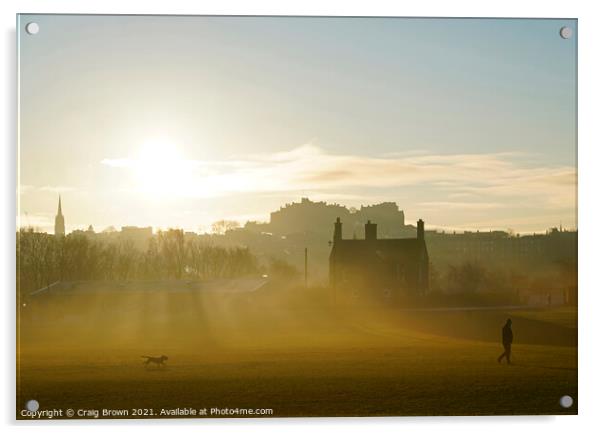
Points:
(292, 351)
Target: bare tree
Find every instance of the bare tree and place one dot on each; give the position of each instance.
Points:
(222, 226)
(126, 259)
(173, 251)
(43, 259)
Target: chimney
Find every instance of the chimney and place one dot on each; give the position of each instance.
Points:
(370, 230)
(338, 230)
(420, 230)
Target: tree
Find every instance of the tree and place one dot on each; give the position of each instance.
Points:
(173, 251)
(465, 278)
(222, 226)
(281, 269)
(126, 260)
(43, 259)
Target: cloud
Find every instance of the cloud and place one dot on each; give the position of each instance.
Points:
(460, 205)
(57, 189)
(118, 162)
(468, 181)
(40, 221)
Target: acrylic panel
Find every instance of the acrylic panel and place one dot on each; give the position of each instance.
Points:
(226, 216)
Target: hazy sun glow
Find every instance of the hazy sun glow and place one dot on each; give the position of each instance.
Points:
(160, 169)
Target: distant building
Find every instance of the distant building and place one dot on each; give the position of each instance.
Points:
(59, 222)
(307, 216)
(376, 269)
(391, 220)
(501, 249)
(87, 233)
(304, 216)
(139, 236)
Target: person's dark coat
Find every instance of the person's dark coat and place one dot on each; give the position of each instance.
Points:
(507, 335)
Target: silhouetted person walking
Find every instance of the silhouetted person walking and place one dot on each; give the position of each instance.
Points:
(507, 337)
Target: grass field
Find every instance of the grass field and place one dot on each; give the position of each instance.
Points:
(295, 360)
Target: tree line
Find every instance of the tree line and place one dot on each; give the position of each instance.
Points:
(43, 259)
(469, 278)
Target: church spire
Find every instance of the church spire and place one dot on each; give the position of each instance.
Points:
(59, 221)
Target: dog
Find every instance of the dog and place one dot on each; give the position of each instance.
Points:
(159, 361)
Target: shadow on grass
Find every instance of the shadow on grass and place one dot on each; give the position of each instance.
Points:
(534, 365)
(486, 326)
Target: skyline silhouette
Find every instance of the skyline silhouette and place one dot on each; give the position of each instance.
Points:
(59, 221)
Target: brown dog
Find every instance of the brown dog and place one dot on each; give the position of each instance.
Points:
(159, 361)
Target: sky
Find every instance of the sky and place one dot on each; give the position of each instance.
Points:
(183, 121)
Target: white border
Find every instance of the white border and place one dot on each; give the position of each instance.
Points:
(590, 218)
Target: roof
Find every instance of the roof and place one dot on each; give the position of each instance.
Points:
(394, 248)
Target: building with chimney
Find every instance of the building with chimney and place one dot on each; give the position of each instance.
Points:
(59, 222)
(376, 269)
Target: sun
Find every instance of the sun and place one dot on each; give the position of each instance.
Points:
(160, 169)
(156, 152)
